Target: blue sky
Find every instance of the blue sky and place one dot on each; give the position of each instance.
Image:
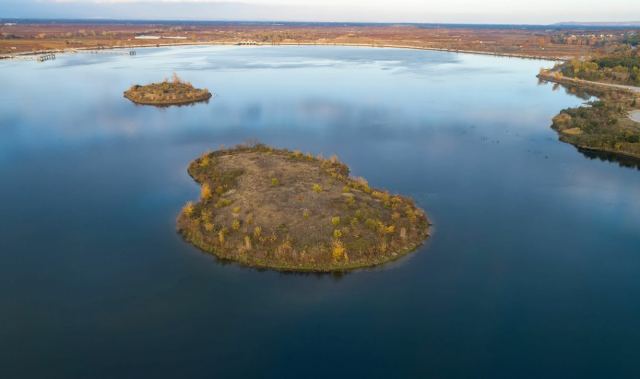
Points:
(450, 11)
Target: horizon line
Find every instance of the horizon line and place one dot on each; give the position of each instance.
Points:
(561, 23)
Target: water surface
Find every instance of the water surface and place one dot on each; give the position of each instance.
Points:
(532, 270)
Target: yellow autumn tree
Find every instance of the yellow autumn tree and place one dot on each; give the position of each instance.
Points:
(205, 192)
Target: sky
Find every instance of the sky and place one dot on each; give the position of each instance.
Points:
(434, 11)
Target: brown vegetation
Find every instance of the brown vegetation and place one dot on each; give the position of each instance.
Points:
(503, 41)
(316, 218)
(174, 92)
(602, 125)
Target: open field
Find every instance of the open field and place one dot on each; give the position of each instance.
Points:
(517, 41)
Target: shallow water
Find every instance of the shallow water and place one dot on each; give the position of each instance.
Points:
(532, 270)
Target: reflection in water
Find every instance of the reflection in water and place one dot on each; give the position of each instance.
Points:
(191, 104)
(579, 92)
(620, 159)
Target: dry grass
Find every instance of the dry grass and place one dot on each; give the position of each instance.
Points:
(516, 40)
(292, 226)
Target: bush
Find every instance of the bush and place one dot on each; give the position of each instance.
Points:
(317, 188)
(204, 162)
(188, 209)
(338, 251)
(221, 203)
(335, 221)
(205, 192)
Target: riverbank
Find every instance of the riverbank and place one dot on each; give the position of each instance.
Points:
(556, 77)
(289, 211)
(604, 125)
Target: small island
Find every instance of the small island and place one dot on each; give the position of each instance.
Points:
(289, 211)
(166, 93)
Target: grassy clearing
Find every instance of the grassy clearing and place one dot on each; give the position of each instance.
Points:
(315, 218)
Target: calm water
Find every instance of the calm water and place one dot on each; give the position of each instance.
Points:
(533, 269)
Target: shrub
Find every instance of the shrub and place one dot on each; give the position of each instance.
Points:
(285, 248)
(188, 209)
(257, 232)
(335, 221)
(204, 162)
(221, 234)
(205, 216)
(247, 242)
(383, 246)
(208, 227)
(337, 234)
(275, 182)
(411, 215)
(317, 188)
(205, 192)
(371, 224)
(338, 251)
(221, 203)
(306, 213)
(235, 225)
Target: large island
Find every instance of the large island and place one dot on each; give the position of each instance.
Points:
(290, 211)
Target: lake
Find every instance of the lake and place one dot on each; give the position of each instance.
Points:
(532, 270)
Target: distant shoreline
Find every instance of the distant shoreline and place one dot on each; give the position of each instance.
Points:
(604, 92)
(374, 45)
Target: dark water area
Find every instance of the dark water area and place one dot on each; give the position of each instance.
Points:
(532, 270)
